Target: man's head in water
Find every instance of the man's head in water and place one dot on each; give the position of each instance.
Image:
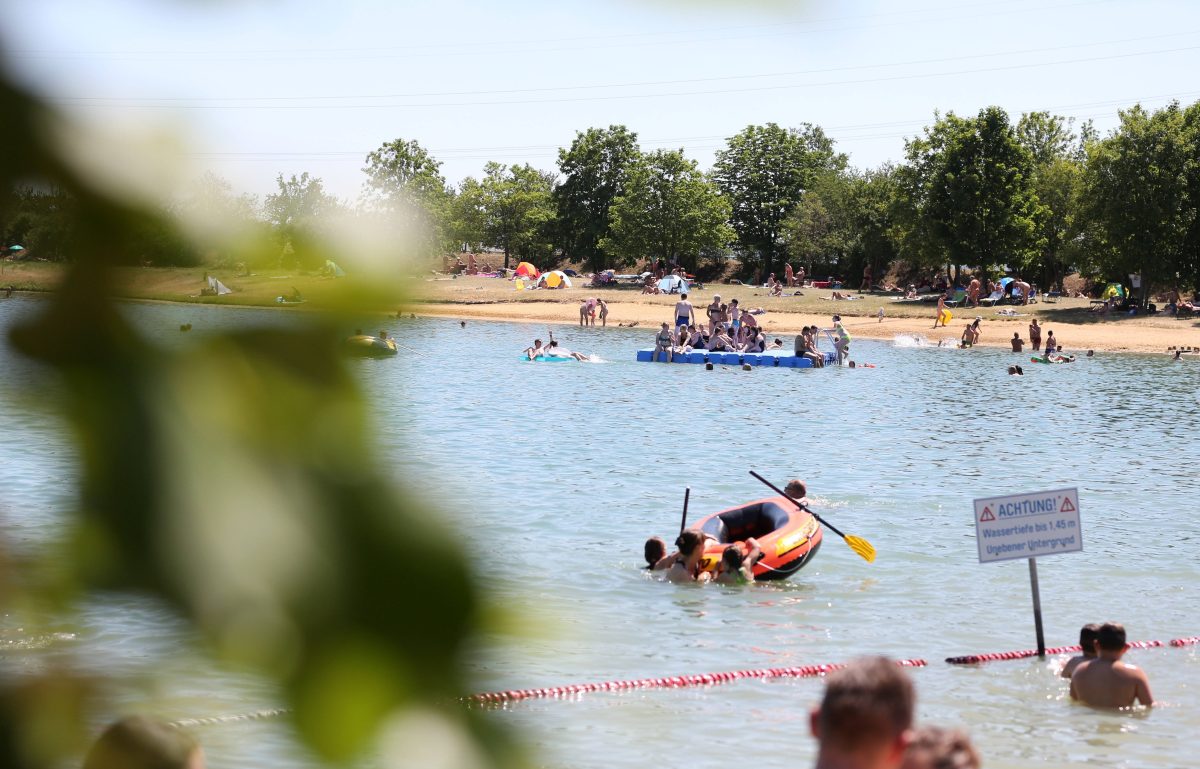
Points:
(1088, 634)
(688, 541)
(796, 489)
(1111, 638)
(934, 747)
(866, 715)
(655, 550)
(554, 343)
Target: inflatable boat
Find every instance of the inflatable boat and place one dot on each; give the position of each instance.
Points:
(363, 346)
(788, 536)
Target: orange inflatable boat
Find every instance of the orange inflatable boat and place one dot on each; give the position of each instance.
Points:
(788, 536)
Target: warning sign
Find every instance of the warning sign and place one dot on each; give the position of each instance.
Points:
(1028, 525)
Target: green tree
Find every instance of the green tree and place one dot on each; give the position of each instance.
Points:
(874, 194)
(1057, 173)
(1136, 193)
(295, 212)
(1189, 262)
(405, 182)
(594, 170)
(820, 232)
(511, 208)
(669, 210)
(763, 171)
(969, 184)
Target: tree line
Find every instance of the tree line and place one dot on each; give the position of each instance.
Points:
(1033, 197)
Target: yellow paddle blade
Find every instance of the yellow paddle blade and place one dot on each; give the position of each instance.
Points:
(862, 547)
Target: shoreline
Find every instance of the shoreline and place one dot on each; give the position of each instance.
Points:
(1074, 337)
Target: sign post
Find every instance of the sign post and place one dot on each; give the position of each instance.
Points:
(1029, 526)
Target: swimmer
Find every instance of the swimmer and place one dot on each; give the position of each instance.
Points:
(865, 718)
(686, 567)
(776, 345)
(796, 489)
(1107, 682)
(603, 312)
(655, 552)
(534, 350)
(462, 324)
(554, 351)
(934, 747)
(1012, 371)
(737, 567)
(1087, 643)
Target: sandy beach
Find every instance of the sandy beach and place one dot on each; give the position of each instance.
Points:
(1076, 329)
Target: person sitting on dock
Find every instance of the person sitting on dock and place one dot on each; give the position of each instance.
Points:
(664, 341)
(686, 567)
(695, 338)
(737, 567)
(865, 719)
(1107, 682)
(1087, 645)
(720, 341)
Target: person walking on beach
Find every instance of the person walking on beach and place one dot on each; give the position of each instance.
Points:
(1035, 335)
(941, 308)
(1107, 682)
(685, 314)
(1087, 645)
(865, 719)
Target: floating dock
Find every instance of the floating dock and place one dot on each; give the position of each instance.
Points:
(771, 358)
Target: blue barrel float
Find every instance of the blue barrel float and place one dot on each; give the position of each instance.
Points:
(769, 359)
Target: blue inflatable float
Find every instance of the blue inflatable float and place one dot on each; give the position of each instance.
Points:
(770, 359)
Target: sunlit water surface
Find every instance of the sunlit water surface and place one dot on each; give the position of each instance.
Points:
(552, 475)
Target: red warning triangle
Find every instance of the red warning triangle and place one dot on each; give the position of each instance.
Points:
(1066, 506)
(987, 515)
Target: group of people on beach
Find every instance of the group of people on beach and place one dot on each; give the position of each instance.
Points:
(588, 309)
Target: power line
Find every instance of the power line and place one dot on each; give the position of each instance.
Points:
(661, 94)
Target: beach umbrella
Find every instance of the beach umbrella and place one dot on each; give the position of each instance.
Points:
(527, 270)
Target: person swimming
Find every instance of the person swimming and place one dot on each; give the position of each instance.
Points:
(686, 567)
(737, 567)
(1087, 644)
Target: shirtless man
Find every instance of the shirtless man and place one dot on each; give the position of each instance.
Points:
(1087, 643)
(1035, 335)
(1017, 342)
(1107, 682)
(797, 490)
(865, 718)
(973, 292)
(685, 314)
(534, 350)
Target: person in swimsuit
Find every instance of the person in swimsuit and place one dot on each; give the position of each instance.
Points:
(714, 313)
(534, 350)
(737, 567)
(1087, 645)
(735, 319)
(865, 718)
(1051, 345)
(941, 308)
(685, 314)
(554, 351)
(603, 312)
(664, 341)
(796, 489)
(686, 567)
(842, 347)
(1107, 682)
(587, 312)
(1035, 335)
(1017, 342)
(789, 277)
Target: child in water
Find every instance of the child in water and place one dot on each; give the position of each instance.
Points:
(737, 568)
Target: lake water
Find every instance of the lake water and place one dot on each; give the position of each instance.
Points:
(556, 473)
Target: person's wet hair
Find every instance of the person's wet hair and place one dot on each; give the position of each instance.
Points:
(655, 550)
(934, 747)
(137, 742)
(868, 702)
(733, 557)
(1111, 637)
(1088, 634)
(796, 489)
(688, 541)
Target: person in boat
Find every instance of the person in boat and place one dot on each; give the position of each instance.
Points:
(1107, 682)
(534, 350)
(1087, 645)
(664, 341)
(686, 567)
(865, 719)
(737, 566)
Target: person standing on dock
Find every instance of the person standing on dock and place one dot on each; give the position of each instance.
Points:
(865, 719)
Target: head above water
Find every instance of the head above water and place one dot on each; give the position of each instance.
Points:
(796, 489)
(732, 558)
(1088, 634)
(655, 550)
(688, 541)
(934, 747)
(867, 708)
(1111, 637)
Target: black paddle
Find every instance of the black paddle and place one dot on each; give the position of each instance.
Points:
(857, 544)
(687, 492)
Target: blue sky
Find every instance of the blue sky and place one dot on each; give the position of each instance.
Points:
(261, 88)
